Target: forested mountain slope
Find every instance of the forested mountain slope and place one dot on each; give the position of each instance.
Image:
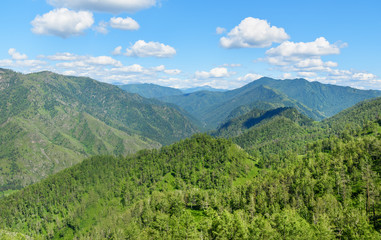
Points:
(49, 122)
(327, 99)
(210, 189)
(314, 99)
(78, 201)
(149, 90)
(236, 126)
(356, 116)
(284, 129)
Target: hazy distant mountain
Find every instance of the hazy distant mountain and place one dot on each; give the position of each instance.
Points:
(313, 99)
(202, 88)
(49, 122)
(149, 90)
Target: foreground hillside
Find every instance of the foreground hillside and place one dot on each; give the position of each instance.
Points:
(203, 188)
(85, 200)
(49, 122)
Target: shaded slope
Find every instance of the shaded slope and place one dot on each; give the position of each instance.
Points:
(239, 125)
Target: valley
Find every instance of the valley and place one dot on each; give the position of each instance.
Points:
(89, 160)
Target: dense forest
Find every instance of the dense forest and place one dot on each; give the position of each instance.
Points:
(268, 171)
(206, 188)
(49, 122)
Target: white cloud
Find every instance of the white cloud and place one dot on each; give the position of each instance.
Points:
(253, 33)
(319, 47)
(30, 63)
(218, 72)
(220, 30)
(102, 27)
(287, 75)
(161, 68)
(307, 74)
(134, 68)
(150, 49)
(6, 62)
(62, 22)
(172, 71)
(124, 23)
(364, 76)
(62, 57)
(103, 60)
(249, 77)
(314, 64)
(232, 65)
(16, 55)
(111, 6)
(303, 57)
(117, 50)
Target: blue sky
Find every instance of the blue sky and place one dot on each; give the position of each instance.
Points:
(224, 44)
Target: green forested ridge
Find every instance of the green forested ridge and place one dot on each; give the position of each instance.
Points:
(280, 176)
(49, 122)
(356, 116)
(238, 125)
(313, 99)
(149, 90)
(284, 129)
(99, 184)
(205, 188)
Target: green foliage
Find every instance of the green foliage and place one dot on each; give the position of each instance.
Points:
(194, 189)
(5, 235)
(49, 122)
(239, 125)
(313, 99)
(77, 199)
(299, 180)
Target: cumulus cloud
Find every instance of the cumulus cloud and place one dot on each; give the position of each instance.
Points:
(307, 74)
(303, 57)
(110, 6)
(253, 33)
(62, 22)
(220, 30)
(319, 47)
(103, 60)
(61, 57)
(161, 68)
(102, 27)
(364, 76)
(134, 68)
(150, 49)
(124, 23)
(218, 72)
(287, 75)
(16, 55)
(250, 77)
(117, 50)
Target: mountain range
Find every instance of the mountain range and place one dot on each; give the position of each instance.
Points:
(313, 99)
(50, 121)
(210, 188)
